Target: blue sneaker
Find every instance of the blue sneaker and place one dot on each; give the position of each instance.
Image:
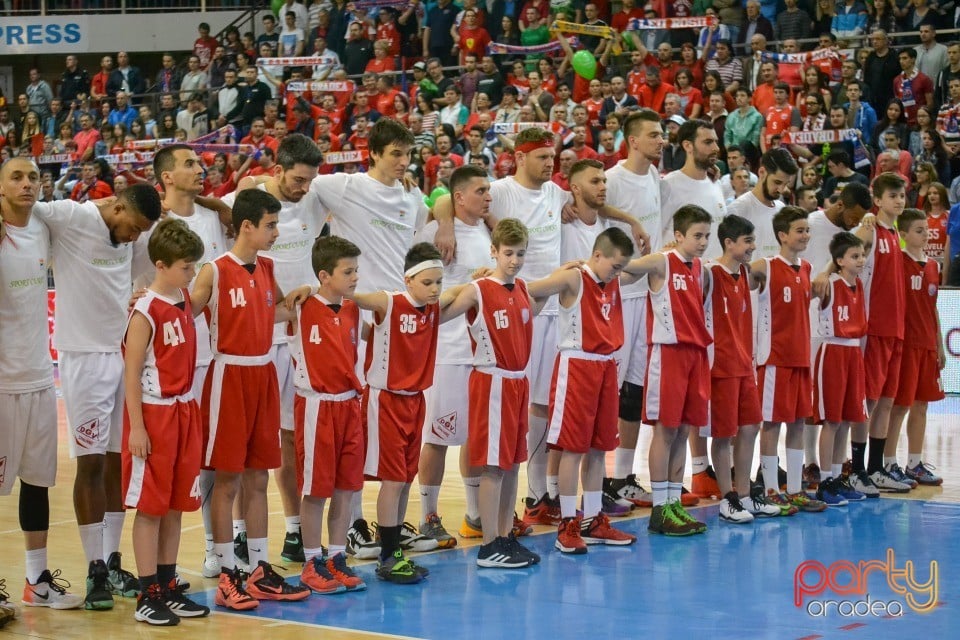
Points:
(845, 489)
(829, 493)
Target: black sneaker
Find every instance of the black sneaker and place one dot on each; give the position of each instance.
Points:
(240, 549)
(500, 554)
(293, 547)
(182, 606)
(152, 608)
(98, 596)
(398, 570)
(120, 581)
(514, 543)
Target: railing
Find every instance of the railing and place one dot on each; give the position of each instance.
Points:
(66, 7)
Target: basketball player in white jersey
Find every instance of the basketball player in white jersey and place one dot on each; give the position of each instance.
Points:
(446, 422)
(28, 401)
(93, 257)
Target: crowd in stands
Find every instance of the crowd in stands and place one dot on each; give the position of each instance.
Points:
(836, 66)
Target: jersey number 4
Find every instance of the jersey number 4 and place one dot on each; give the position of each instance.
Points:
(237, 299)
(172, 333)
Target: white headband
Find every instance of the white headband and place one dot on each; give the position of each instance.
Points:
(423, 266)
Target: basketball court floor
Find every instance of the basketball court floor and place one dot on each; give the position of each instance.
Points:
(887, 568)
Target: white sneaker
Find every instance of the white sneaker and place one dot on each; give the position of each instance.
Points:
(732, 510)
(360, 543)
(413, 540)
(50, 591)
(886, 483)
(861, 482)
(211, 565)
(760, 508)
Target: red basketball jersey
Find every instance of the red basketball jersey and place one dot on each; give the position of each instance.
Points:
(922, 286)
(729, 316)
(845, 315)
(403, 349)
(595, 321)
(783, 316)
(241, 308)
(937, 236)
(324, 347)
(883, 282)
(172, 350)
(675, 313)
(501, 332)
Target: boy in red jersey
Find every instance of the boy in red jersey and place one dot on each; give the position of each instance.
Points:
(677, 384)
(734, 400)
(241, 400)
(923, 353)
(328, 436)
(500, 319)
(582, 421)
(839, 395)
(401, 354)
(783, 357)
(161, 430)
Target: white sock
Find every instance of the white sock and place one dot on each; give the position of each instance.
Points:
(208, 539)
(112, 531)
(889, 460)
(913, 460)
(429, 496)
(659, 490)
(794, 470)
(768, 466)
(91, 539)
(356, 506)
(674, 489)
(553, 486)
(537, 463)
(312, 553)
(335, 550)
(206, 490)
(591, 503)
(836, 470)
(293, 524)
(568, 506)
(36, 563)
(224, 551)
(698, 463)
(825, 474)
(622, 462)
(239, 526)
(811, 443)
(257, 548)
(472, 488)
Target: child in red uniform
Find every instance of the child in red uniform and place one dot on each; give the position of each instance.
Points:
(500, 319)
(583, 397)
(241, 399)
(677, 384)
(327, 431)
(839, 395)
(401, 354)
(161, 431)
(923, 353)
(783, 357)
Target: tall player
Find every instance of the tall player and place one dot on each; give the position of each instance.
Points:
(28, 402)
(93, 254)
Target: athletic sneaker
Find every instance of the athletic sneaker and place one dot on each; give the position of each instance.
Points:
(152, 608)
(360, 541)
(434, 530)
(98, 596)
(687, 498)
(732, 510)
(231, 594)
(293, 547)
(120, 581)
(180, 605)
(597, 530)
(885, 482)
(266, 584)
(522, 550)
(569, 539)
(898, 474)
(541, 512)
(398, 570)
(318, 577)
(520, 528)
(847, 491)
(240, 550)
(182, 584)
(412, 540)
(628, 489)
(758, 506)
(861, 482)
(781, 501)
(499, 554)
(665, 522)
(811, 476)
(804, 502)
(615, 507)
(211, 565)
(828, 492)
(705, 484)
(8, 610)
(471, 528)
(337, 566)
(677, 508)
(923, 475)
(50, 590)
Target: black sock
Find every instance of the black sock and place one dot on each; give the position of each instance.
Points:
(875, 456)
(389, 541)
(859, 451)
(146, 582)
(166, 573)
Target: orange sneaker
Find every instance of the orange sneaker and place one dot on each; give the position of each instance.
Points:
(569, 539)
(337, 566)
(705, 484)
(688, 499)
(599, 531)
(317, 576)
(266, 584)
(520, 528)
(231, 594)
(541, 512)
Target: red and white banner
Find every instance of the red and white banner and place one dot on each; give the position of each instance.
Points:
(344, 157)
(322, 86)
(818, 137)
(517, 127)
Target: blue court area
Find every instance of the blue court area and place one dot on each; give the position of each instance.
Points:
(735, 581)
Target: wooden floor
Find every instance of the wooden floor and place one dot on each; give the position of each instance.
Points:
(942, 449)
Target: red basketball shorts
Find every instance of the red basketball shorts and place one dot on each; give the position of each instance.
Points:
(840, 392)
(677, 387)
(394, 426)
(584, 402)
(786, 393)
(498, 418)
(881, 362)
(328, 438)
(734, 402)
(919, 377)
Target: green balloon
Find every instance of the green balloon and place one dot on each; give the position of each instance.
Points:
(275, 6)
(436, 193)
(585, 64)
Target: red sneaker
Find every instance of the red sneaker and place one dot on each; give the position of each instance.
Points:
(266, 584)
(599, 531)
(568, 537)
(705, 485)
(231, 594)
(337, 566)
(540, 512)
(317, 576)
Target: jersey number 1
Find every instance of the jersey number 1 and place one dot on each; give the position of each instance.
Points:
(237, 299)
(501, 319)
(172, 333)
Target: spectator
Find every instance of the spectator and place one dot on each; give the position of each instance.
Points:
(204, 45)
(358, 51)
(74, 81)
(729, 68)
(472, 37)
(39, 94)
(217, 68)
(301, 15)
(880, 69)
(912, 87)
(860, 115)
(619, 101)
(743, 125)
(850, 20)
(565, 162)
(793, 23)
(269, 36)
(125, 77)
(90, 186)
(628, 12)
(931, 55)
(387, 31)
(381, 62)
(455, 113)
(194, 80)
(292, 38)
(328, 59)
(98, 84)
(755, 23)
(437, 37)
(123, 113)
(58, 116)
(490, 81)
